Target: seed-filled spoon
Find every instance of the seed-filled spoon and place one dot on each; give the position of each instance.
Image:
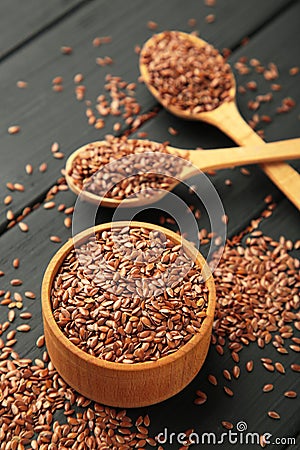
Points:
(193, 81)
(102, 167)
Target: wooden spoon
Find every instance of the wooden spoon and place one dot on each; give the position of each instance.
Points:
(200, 159)
(227, 118)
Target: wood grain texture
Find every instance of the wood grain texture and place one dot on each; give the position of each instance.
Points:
(22, 21)
(46, 116)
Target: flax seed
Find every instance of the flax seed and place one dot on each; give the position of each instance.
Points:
(30, 295)
(28, 169)
(14, 129)
(190, 92)
(24, 328)
(279, 367)
(213, 380)
(55, 239)
(124, 155)
(249, 366)
(66, 50)
(227, 425)
(117, 316)
(228, 391)
(290, 394)
(268, 387)
(273, 415)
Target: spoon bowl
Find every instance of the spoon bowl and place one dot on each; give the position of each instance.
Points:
(195, 160)
(226, 117)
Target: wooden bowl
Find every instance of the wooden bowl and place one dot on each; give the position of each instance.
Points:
(117, 384)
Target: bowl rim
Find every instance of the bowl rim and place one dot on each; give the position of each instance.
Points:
(53, 268)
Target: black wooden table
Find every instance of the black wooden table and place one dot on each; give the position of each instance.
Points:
(32, 37)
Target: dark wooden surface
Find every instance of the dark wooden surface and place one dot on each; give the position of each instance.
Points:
(31, 36)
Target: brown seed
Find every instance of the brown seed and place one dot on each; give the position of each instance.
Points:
(16, 282)
(294, 70)
(40, 341)
(55, 147)
(43, 167)
(78, 78)
(273, 415)
(7, 200)
(57, 80)
(290, 394)
(28, 169)
(269, 367)
(19, 187)
(68, 222)
(228, 391)
(236, 371)
(210, 18)
(24, 327)
(249, 366)
(213, 380)
(10, 186)
(200, 400)
(295, 348)
(49, 205)
(14, 129)
(164, 57)
(268, 387)
(66, 50)
(279, 367)
(227, 374)
(16, 263)
(30, 295)
(152, 25)
(55, 239)
(227, 425)
(22, 84)
(295, 367)
(26, 315)
(58, 155)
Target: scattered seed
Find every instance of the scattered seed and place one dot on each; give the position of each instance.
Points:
(213, 380)
(152, 25)
(28, 169)
(290, 394)
(16, 282)
(14, 129)
(268, 387)
(249, 366)
(26, 315)
(43, 167)
(16, 263)
(40, 342)
(55, 239)
(294, 71)
(210, 18)
(227, 374)
(273, 415)
(24, 327)
(227, 425)
(30, 295)
(65, 50)
(279, 367)
(22, 84)
(228, 391)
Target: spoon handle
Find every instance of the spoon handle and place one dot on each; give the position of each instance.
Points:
(253, 154)
(228, 119)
